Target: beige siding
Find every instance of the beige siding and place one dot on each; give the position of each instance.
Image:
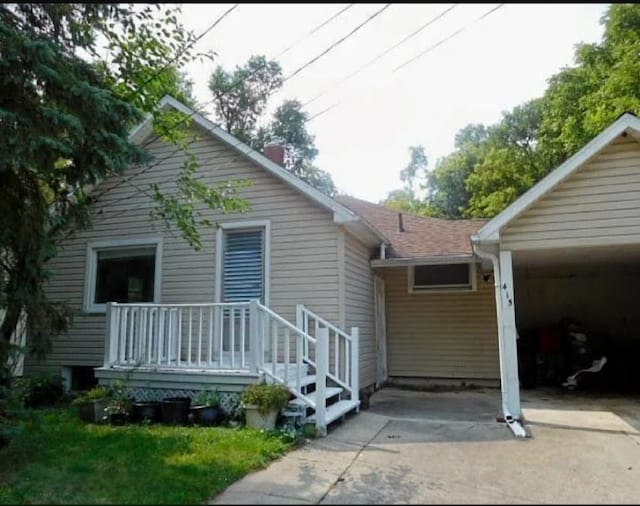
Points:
(440, 335)
(599, 204)
(360, 305)
(303, 248)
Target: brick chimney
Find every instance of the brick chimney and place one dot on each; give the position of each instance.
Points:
(274, 151)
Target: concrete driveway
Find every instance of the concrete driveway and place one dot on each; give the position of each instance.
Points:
(445, 447)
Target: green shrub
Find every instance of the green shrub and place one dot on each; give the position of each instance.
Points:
(266, 397)
(38, 390)
(99, 392)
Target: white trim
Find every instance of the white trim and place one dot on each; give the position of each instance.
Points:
(491, 230)
(436, 289)
(435, 260)
(236, 225)
(342, 279)
(118, 244)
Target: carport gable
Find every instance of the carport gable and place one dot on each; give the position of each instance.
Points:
(591, 199)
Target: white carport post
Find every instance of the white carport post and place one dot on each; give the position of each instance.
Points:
(509, 348)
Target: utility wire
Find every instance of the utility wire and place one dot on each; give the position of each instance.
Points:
(449, 37)
(430, 48)
(195, 111)
(183, 50)
(321, 25)
(383, 54)
(338, 42)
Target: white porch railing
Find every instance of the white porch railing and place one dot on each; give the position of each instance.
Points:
(206, 336)
(342, 350)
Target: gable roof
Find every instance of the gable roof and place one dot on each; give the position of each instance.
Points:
(627, 122)
(423, 237)
(341, 214)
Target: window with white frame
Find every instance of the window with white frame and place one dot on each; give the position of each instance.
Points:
(442, 277)
(122, 271)
(243, 261)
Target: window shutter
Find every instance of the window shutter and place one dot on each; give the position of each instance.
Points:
(243, 266)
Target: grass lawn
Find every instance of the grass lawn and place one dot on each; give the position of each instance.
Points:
(56, 458)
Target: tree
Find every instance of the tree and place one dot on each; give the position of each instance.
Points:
(240, 99)
(65, 115)
(492, 166)
(413, 177)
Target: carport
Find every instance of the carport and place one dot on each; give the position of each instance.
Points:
(566, 258)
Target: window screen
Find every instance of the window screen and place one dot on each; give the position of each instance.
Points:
(243, 266)
(446, 275)
(125, 275)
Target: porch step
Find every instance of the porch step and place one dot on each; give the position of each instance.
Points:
(304, 381)
(336, 410)
(331, 391)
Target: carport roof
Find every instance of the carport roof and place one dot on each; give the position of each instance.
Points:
(422, 237)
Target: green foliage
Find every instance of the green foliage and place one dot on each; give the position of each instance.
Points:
(37, 390)
(207, 398)
(240, 99)
(96, 393)
(66, 110)
(413, 176)
(267, 397)
(492, 166)
(56, 458)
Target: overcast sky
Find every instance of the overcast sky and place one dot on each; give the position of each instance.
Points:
(491, 66)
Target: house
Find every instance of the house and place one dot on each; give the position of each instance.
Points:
(335, 297)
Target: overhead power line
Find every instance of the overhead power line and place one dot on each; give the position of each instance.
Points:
(338, 42)
(430, 48)
(184, 50)
(186, 118)
(449, 37)
(383, 54)
(317, 28)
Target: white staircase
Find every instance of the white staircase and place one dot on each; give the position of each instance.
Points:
(316, 360)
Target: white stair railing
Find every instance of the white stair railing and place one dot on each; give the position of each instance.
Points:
(342, 352)
(280, 355)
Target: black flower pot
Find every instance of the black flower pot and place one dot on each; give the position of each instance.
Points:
(147, 411)
(175, 410)
(207, 415)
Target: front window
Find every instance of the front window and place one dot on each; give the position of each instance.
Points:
(441, 277)
(124, 273)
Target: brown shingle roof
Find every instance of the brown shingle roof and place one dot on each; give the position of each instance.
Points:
(423, 237)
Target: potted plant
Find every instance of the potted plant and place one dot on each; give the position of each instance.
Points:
(262, 402)
(119, 406)
(91, 404)
(206, 408)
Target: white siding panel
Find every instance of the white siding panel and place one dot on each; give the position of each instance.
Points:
(599, 204)
(440, 335)
(303, 246)
(359, 302)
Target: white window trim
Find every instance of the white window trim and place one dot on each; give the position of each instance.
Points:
(237, 225)
(92, 263)
(436, 289)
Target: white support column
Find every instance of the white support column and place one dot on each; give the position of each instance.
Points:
(254, 337)
(355, 365)
(111, 335)
(322, 366)
(508, 350)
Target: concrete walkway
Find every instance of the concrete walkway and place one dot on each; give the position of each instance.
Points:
(422, 447)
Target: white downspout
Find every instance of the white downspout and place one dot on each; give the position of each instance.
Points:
(511, 422)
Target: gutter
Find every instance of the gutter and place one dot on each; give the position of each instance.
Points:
(512, 422)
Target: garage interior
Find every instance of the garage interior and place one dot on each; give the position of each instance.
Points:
(574, 306)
